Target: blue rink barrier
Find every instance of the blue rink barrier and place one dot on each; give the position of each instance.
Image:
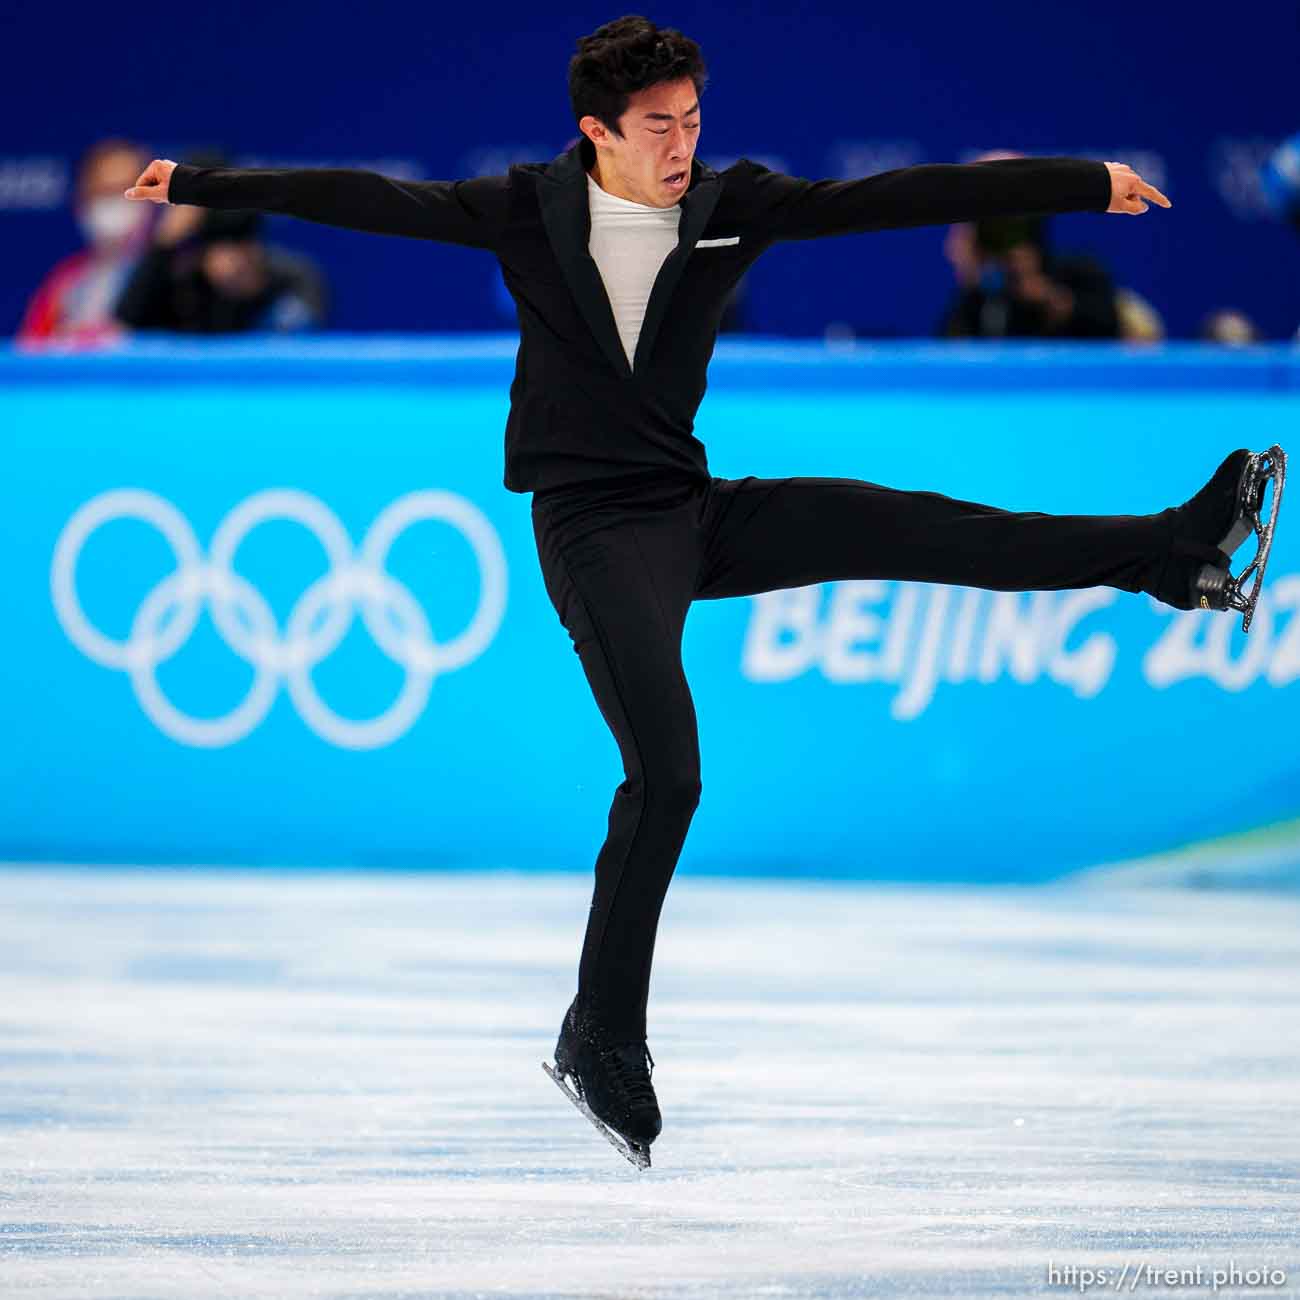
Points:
(268, 603)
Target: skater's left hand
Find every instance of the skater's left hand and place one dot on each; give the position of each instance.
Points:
(1129, 192)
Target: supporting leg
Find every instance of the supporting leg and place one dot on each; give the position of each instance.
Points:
(623, 594)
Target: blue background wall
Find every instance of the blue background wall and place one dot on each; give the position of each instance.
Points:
(1194, 99)
(881, 729)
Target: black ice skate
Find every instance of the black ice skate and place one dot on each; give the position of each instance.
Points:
(1237, 490)
(613, 1088)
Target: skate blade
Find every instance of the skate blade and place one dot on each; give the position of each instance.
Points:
(633, 1152)
(1270, 464)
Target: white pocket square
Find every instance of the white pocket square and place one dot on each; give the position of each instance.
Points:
(717, 243)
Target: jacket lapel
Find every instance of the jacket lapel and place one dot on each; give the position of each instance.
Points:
(566, 214)
(567, 217)
(697, 208)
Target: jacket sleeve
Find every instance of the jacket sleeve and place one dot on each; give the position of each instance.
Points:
(931, 194)
(469, 212)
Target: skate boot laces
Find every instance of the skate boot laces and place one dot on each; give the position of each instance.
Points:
(626, 1063)
(621, 1079)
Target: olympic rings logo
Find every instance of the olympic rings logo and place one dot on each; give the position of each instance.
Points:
(392, 615)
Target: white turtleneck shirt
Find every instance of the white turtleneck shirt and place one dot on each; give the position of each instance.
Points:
(628, 243)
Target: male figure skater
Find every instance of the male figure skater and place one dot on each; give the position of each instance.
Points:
(620, 254)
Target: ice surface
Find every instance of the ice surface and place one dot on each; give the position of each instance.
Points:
(226, 1084)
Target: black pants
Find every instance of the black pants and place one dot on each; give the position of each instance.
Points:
(622, 565)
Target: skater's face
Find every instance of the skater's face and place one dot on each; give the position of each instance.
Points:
(660, 131)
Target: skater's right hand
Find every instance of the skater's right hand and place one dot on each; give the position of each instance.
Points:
(153, 181)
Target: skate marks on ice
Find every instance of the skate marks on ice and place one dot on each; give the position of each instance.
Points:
(327, 1086)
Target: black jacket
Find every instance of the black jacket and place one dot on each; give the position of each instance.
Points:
(578, 412)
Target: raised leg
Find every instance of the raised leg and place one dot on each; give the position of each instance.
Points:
(775, 533)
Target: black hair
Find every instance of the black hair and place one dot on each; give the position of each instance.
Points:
(229, 226)
(623, 57)
(998, 235)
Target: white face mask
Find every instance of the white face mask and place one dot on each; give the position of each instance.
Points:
(109, 220)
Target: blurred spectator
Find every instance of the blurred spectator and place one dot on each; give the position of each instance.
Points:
(1280, 177)
(207, 272)
(1139, 322)
(74, 302)
(1231, 327)
(1010, 284)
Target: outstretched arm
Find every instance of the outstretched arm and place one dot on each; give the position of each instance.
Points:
(789, 207)
(469, 212)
